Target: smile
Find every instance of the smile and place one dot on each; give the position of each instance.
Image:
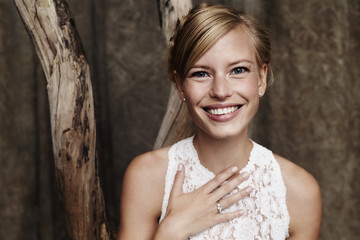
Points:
(222, 111)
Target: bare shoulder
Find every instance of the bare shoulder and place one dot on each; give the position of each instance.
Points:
(146, 174)
(142, 194)
(297, 178)
(148, 166)
(303, 200)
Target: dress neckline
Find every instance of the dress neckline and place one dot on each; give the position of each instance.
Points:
(208, 171)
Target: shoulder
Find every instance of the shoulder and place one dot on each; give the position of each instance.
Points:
(303, 200)
(295, 175)
(142, 194)
(145, 165)
(146, 173)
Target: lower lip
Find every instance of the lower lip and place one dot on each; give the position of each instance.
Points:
(223, 117)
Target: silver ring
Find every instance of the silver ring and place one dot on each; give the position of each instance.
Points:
(219, 207)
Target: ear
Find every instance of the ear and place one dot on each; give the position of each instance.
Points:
(179, 86)
(262, 80)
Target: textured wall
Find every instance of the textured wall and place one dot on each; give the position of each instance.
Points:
(311, 114)
(28, 197)
(124, 45)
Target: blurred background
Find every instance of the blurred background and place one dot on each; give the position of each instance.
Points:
(311, 115)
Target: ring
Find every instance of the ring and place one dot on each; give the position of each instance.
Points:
(219, 207)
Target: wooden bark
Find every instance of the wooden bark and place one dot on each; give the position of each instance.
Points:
(176, 117)
(52, 30)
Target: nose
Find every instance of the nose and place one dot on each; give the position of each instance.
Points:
(221, 88)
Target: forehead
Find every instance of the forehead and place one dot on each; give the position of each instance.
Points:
(233, 46)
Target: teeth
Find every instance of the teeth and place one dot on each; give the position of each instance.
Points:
(221, 111)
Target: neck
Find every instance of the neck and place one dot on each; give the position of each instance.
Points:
(219, 154)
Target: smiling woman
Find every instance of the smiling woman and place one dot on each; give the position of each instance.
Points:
(219, 184)
(222, 88)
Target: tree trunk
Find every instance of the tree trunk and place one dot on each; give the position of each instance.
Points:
(176, 119)
(52, 30)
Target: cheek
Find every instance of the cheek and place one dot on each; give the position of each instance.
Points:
(248, 89)
(193, 93)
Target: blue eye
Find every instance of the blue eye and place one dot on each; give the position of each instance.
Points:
(239, 70)
(199, 74)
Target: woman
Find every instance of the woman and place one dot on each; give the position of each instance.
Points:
(219, 184)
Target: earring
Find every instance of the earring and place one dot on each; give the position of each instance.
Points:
(184, 99)
(260, 93)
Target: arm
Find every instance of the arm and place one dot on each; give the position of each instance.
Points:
(187, 213)
(303, 201)
(141, 197)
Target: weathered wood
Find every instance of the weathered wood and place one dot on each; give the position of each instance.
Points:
(176, 117)
(52, 30)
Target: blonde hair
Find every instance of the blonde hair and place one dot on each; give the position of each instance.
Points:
(202, 27)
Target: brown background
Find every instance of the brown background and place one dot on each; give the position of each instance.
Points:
(311, 115)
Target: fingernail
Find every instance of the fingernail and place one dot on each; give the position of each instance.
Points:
(245, 175)
(234, 169)
(180, 167)
(248, 189)
(241, 212)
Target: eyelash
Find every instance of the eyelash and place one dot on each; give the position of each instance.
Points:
(197, 74)
(237, 70)
(243, 69)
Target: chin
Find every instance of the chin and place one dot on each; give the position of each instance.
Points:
(224, 134)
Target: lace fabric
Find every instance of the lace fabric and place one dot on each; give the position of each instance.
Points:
(266, 215)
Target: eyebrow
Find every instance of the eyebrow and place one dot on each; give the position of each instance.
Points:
(230, 64)
(240, 61)
(200, 66)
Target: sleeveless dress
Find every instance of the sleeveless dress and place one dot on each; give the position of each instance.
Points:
(266, 214)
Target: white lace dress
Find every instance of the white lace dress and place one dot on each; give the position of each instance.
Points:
(266, 215)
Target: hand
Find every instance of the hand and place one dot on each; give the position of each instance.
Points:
(192, 213)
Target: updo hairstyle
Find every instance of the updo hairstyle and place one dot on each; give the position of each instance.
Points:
(202, 27)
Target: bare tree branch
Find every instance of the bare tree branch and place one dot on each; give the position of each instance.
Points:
(57, 43)
(176, 114)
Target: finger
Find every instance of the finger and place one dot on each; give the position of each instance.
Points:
(234, 198)
(225, 217)
(219, 179)
(230, 186)
(178, 181)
